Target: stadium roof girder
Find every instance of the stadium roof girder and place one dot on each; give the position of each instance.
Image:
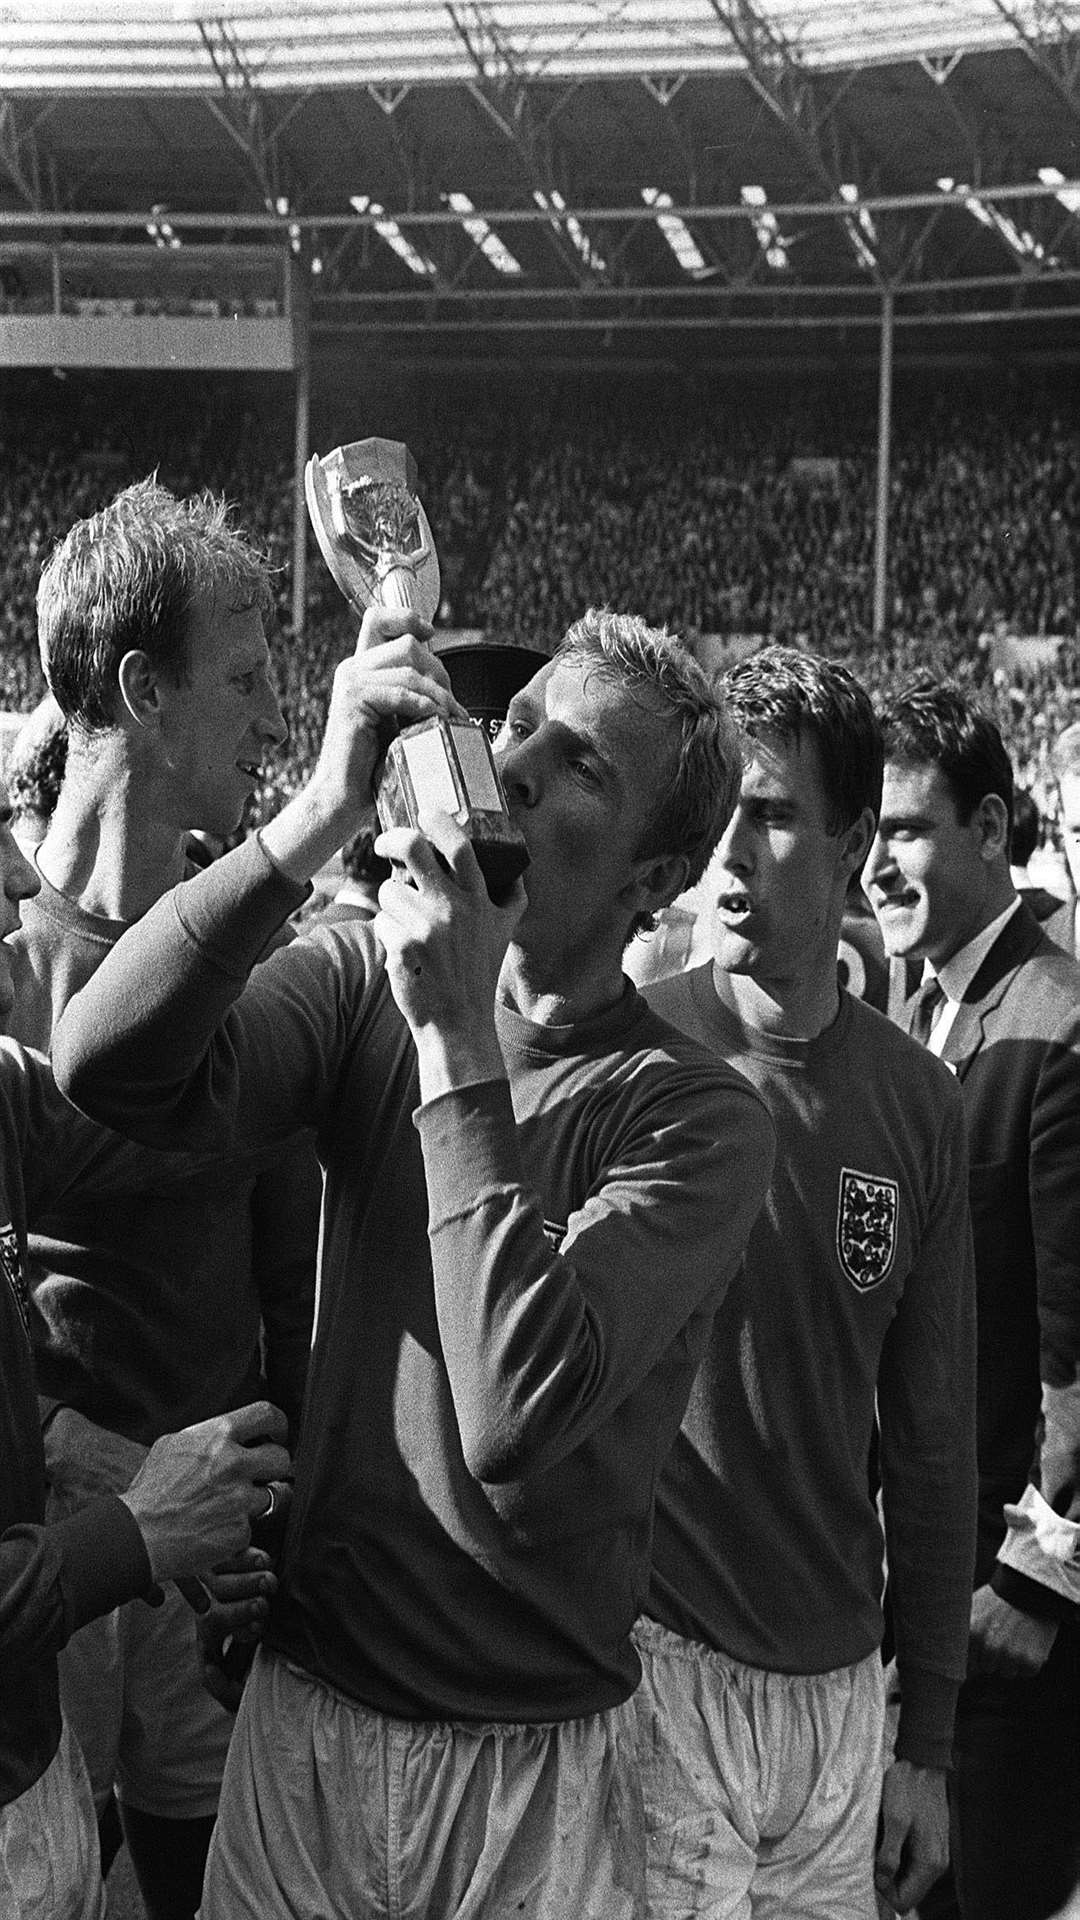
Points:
(1050, 42)
(523, 118)
(22, 156)
(780, 79)
(912, 279)
(115, 44)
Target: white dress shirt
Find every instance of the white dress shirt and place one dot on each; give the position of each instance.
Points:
(956, 976)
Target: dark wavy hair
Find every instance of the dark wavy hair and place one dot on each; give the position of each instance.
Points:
(934, 723)
(788, 695)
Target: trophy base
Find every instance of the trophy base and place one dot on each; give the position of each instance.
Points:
(501, 857)
(447, 765)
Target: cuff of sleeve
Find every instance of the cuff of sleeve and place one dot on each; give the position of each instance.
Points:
(1031, 1596)
(927, 1711)
(104, 1557)
(469, 1140)
(232, 909)
(1039, 1559)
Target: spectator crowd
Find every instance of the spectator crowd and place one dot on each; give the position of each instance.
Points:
(750, 515)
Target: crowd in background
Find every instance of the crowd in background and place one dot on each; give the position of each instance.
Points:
(746, 513)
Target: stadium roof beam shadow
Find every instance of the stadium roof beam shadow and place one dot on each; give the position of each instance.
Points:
(388, 230)
(773, 245)
(1028, 252)
(777, 75)
(677, 234)
(692, 159)
(1068, 197)
(241, 111)
(500, 89)
(994, 151)
(484, 238)
(1051, 47)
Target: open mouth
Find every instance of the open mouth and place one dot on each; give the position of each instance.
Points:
(250, 769)
(896, 902)
(734, 903)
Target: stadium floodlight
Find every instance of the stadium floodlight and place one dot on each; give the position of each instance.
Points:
(676, 233)
(387, 229)
(1069, 196)
(769, 237)
(861, 229)
(553, 202)
(1018, 240)
(482, 235)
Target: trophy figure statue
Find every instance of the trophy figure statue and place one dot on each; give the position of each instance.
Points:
(376, 541)
(371, 528)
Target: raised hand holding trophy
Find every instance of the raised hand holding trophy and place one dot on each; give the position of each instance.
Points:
(376, 541)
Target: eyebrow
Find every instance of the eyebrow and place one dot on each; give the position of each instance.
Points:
(521, 706)
(904, 817)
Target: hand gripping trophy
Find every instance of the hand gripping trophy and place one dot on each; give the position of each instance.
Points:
(376, 541)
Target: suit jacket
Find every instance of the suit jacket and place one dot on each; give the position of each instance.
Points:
(1015, 1049)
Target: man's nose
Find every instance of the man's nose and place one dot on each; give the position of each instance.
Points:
(519, 771)
(735, 850)
(876, 860)
(272, 722)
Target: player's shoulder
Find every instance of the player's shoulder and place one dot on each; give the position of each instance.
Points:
(881, 1050)
(681, 1054)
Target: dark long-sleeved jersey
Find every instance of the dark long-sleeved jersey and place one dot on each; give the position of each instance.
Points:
(856, 1292)
(514, 1291)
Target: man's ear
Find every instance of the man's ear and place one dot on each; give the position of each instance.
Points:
(991, 820)
(857, 840)
(139, 688)
(657, 882)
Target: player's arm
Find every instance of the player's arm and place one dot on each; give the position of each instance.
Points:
(140, 1047)
(543, 1344)
(926, 1399)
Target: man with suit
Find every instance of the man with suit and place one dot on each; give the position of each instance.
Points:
(1001, 1005)
(1064, 925)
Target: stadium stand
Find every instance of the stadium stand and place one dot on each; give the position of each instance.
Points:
(748, 516)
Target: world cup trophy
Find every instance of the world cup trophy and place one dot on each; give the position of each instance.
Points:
(374, 536)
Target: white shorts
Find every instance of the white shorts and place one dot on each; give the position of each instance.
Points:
(131, 1688)
(332, 1812)
(50, 1868)
(762, 1790)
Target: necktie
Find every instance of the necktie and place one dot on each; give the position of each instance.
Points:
(928, 1004)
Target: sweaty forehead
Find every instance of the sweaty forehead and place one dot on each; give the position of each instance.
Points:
(915, 783)
(585, 694)
(789, 766)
